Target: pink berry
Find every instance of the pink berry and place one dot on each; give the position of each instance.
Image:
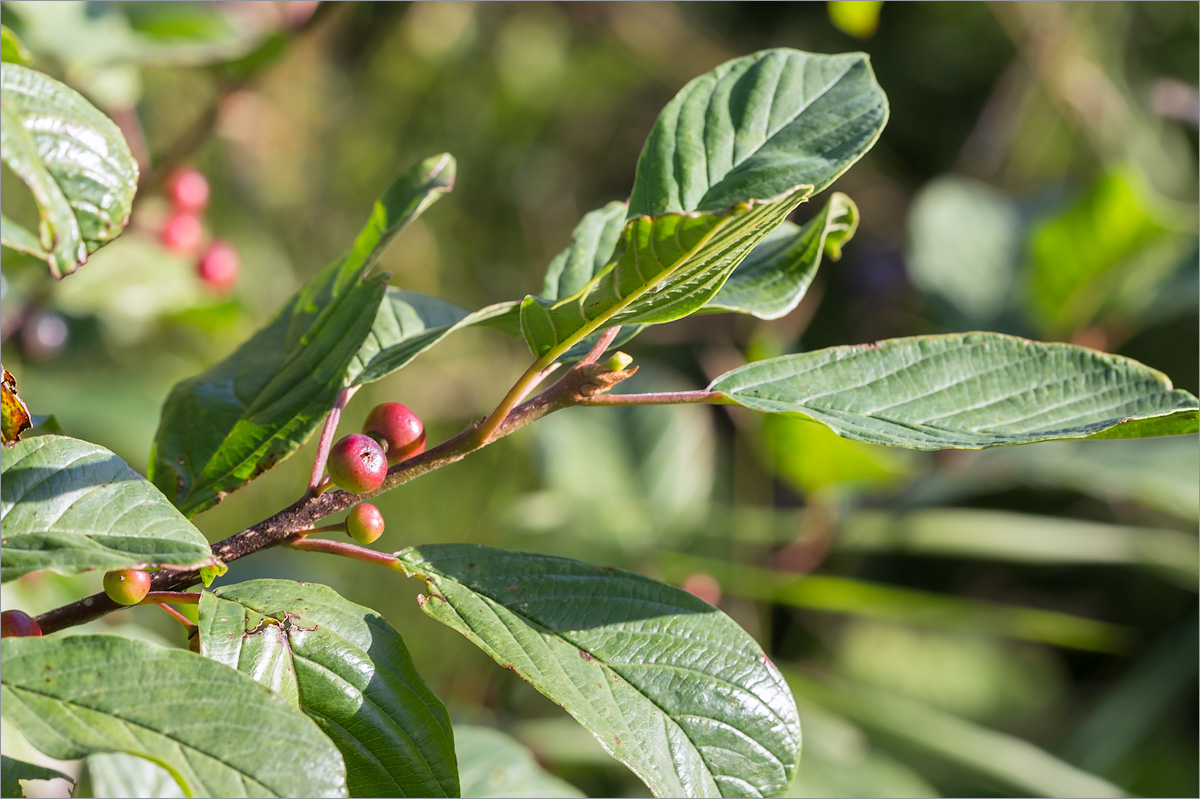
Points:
(183, 232)
(18, 624)
(364, 523)
(188, 190)
(394, 425)
(219, 266)
(357, 464)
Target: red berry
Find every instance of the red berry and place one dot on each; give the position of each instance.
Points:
(364, 523)
(183, 232)
(219, 266)
(127, 586)
(188, 190)
(17, 624)
(398, 428)
(357, 464)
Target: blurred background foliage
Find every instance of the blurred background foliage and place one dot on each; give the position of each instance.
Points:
(1010, 622)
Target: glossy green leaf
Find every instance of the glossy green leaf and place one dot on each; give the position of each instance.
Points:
(240, 417)
(776, 274)
(965, 391)
(13, 772)
(665, 268)
(407, 324)
(74, 160)
(70, 506)
(669, 685)
(757, 127)
(216, 730)
(11, 49)
(345, 667)
(127, 776)
(493, 765)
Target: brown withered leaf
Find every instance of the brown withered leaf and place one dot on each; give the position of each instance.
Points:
(15, 416)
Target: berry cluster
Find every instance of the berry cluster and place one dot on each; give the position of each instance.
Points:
(392, 433)
(218, 265)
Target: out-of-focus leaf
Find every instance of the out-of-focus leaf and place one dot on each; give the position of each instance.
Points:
(668, 684)
(1081, 256)
(1015, 764)
(858, 18)
(13, 772)
(665, 268)
(70, 506)
(74, 160)
(87, 694)
(1021, 538)
(811, 457)
(776, 274)
(345, 667)
(407, 324)
(904, 605)
(964, 241)
(14, 416)
(492, 764)
(240, 417)
(965, 391)
(11, 49)
(758, 127)
(127, 776)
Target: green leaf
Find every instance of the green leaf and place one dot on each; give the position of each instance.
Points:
(227, 425)
(494, 765)
(669, 685)
(965, 391)
(12, 772)
(665, 268)
(757, 127)
(217, 731)
(407, 324)
(345, 667)
(70, 506)
(128, 776)
(776, 274)
(74, 160)
(11, 49)
(592, 244)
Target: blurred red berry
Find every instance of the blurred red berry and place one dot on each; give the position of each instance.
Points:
(219, 266)
(183, 232)
(188, 190)
(17, 624)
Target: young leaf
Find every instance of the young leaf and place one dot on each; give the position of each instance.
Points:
(74, 160)
(492, 764)
(665, 268)
(669, 685)
(776, 274)
(756, 127)
(14, 416)
(11, 49)
(965, 391)
(217, 731)
(70, 506)
(227, 425)
(592, 244)
(407, 324)
(345, 667)
(13, 772)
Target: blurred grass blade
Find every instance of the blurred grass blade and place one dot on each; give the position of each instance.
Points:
(128, 776)
(669, 685)
(965, 391)
(75, 162)
(348, 670)
(11, 49)
(260, 404)
(1016, 764)
(492, 764)
(903, 605)
(1021, 538)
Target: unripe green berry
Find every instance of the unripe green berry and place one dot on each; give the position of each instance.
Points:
(364, 523)
(357, 464)
(18, 624)
(618, 362)
(397, 429)
(127, 586)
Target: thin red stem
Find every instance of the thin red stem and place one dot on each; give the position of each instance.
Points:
(170, 597)
(602, 344)
(331, 423)
(345, 550)
(179, 617)
(659, 398)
